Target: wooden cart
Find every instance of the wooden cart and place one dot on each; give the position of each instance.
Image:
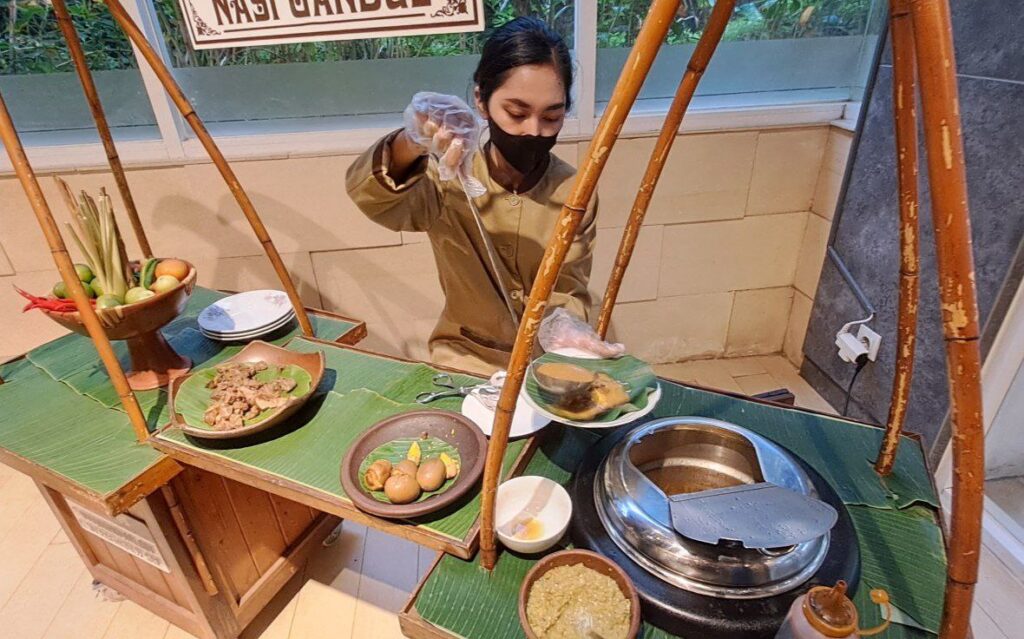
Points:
(921, 33)
(203, 551)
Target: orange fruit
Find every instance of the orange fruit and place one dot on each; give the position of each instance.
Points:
(175, 268)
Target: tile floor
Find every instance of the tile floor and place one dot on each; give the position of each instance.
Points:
(351, 589)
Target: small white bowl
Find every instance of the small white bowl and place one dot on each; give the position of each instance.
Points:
(532, 498)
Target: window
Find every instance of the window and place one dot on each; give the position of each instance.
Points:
(41, 88)
(772, 50)
(312, 85)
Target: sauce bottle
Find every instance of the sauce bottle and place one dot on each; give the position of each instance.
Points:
(827, 613)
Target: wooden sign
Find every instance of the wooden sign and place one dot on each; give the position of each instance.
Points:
(244, 23)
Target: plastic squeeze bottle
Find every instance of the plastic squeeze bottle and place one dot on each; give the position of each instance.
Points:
(827, 613)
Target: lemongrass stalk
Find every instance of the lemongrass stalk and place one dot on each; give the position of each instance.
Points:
(85, 252)
(104, 251)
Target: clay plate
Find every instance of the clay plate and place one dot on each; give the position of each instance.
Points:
(312, 363)
(591, 560)
(451, 427)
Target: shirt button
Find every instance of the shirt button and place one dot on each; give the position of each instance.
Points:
(516, 295)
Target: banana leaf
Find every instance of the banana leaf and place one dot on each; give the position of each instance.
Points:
(635, 375)
(193, 396)
(396, 450)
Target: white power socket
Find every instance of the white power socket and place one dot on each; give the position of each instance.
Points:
(872, 339)
(866, 342)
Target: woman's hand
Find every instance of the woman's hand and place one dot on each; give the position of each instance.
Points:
(443, 126)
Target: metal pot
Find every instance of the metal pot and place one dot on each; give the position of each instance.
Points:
(671, 456)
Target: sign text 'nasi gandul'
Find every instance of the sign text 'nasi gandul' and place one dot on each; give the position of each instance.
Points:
(239, 23)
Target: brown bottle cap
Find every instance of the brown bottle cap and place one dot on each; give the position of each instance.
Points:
(830, 611)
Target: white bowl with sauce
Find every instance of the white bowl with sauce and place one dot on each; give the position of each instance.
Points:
(531, 513)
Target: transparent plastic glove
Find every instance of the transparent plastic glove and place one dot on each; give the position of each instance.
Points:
(562, 329)
(447, 129)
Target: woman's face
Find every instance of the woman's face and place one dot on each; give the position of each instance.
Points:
(531, 101)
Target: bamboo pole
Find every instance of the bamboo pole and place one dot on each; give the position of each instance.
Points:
(652, 34)
(947, 179)
(27, 177)
(93, 99)
(904, 96)
(188, 112)
(699, 59)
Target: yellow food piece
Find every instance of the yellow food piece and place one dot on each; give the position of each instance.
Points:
(451, 466)
(414, 453)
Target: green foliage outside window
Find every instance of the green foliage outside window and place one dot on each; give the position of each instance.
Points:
(30, 41)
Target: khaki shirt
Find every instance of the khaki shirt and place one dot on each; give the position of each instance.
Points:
(475, 331)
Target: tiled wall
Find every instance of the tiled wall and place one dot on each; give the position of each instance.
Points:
(990, 66)
(729, 249)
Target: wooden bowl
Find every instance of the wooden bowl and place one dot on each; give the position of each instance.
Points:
(591, 560)
(131, 320)
(447, 425)
(312, 363)
(153, 362)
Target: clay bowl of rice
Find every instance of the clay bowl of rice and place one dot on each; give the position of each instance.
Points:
(578, 594)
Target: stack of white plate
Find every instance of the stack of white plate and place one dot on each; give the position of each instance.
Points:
(246, 316)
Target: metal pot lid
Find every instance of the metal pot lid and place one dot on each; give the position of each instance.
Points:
(687, 457)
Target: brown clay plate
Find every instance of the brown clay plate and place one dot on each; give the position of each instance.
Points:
(451, 427)
(312, 363)
(591, 560)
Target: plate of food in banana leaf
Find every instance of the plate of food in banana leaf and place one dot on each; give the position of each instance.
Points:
(413, 463)
(591, 393)
(258, 388)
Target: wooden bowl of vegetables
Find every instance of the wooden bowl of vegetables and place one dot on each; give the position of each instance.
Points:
(133, 300)
(153, 362)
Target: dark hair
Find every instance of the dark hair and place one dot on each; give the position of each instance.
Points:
(519, 42)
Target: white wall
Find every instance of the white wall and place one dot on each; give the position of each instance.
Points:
(728, 254)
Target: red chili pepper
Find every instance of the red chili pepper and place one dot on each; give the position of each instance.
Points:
(52, 304)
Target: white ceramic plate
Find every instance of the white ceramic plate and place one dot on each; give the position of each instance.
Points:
(526, 420)
(250, 334)
(245, 312)
(627, 418)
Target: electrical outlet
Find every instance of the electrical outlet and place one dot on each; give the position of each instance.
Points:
(850, 348)
(871, 339)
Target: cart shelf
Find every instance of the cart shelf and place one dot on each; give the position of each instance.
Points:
(896, 519)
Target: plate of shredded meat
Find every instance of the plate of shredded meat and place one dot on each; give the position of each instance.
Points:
(256, 389)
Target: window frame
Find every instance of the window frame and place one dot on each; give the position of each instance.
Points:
(176, 145)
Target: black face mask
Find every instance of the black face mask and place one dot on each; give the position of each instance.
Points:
(523, 152)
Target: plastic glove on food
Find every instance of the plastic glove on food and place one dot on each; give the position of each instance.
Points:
(561, 329)
(447, 129)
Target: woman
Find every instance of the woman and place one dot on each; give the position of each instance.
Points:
(523, 84)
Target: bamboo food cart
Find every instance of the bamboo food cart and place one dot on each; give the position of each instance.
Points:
(205, 534)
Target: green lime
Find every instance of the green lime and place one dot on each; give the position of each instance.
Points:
(107, 301)
(84, 272)
(95, 284)
(137, 294)
(60, 290)
(88, 289)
